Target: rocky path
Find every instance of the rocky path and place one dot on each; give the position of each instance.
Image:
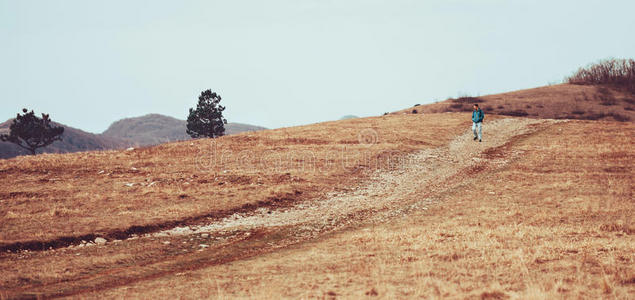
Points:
(414, 182)
(388, 193)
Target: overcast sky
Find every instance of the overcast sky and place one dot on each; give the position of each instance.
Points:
(280, 63)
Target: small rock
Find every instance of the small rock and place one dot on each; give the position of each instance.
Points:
(203, 246)
(100, 241)
(129, 184)
(166, 243)
(130, 149)
(101, 172)
(205, 235)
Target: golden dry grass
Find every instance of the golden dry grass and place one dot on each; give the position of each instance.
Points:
(555, 223)
(55, 195)
(561, 101)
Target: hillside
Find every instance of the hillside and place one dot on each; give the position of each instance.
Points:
(73, 140)
(147, 130)
(396, 206)
(153, 129)
(562, 101)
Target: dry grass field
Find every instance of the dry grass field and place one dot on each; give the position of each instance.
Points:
(555, 223)
(56, 201)
(114, 193)
(398, 206)
(561, 101)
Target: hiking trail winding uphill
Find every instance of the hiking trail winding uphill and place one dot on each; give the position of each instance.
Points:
(388, 193)
(412, 182)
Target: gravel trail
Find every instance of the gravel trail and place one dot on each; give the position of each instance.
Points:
(411, 184)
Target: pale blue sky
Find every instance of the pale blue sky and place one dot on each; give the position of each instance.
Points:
(288, 62)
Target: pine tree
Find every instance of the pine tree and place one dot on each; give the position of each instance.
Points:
(207, 119)
(31, 132)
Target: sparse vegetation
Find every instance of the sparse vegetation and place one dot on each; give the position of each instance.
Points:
(614, 72)
(468, 100)
(515, 113)
(458, 106)
(619, 117)
(31, 132)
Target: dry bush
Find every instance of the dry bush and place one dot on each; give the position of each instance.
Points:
(619, 118)
(468, 100)
(608, 102)
(595, 116)
(615, 72)
(515, 113)
(605, 96)
(456, 106)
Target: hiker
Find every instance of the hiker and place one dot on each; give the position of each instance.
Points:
(477, 122)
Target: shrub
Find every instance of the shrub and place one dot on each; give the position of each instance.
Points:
(417, 104)
(605, 96)
(501, 107)
(608, 102)
(595, 116)
(515, 113)
(468, 100)
(615, 72)
(456, 106)
(629, 101)
(577, 112)
(414, 111)
(618, 117)
(629, 108)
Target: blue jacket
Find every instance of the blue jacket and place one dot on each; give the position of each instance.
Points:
(477, 116)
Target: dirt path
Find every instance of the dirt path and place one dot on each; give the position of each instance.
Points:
(388, 192)
(414, 182)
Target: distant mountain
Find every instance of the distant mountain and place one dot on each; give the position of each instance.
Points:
(73, 140)
(146, 130)
(155, 129)
(346, 117)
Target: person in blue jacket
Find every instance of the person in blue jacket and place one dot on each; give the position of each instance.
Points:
(477, 123)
